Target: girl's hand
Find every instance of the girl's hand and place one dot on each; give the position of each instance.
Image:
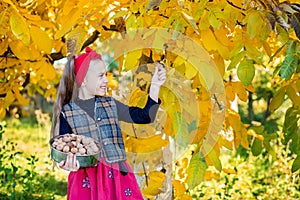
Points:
(159, 77)
(70, 164)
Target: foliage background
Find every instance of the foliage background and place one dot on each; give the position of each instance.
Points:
(254, 45)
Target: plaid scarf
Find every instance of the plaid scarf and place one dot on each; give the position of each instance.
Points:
(104, 127)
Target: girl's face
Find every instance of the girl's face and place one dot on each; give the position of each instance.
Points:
(95, 80)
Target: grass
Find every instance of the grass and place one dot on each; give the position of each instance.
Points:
(31, 139)
(261, 177)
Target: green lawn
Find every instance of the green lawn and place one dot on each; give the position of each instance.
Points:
(26, 167)
(26, 170)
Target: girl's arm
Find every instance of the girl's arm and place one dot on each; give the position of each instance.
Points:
(147, 114)
(138, 115)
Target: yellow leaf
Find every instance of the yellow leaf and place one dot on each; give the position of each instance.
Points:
(155, 184)
(267, 48)
(67, 22)
(206, 72)
(51, 93)
(240, 90)
(186, 197)
(32, 17)
(254, 134)
(252, 51)
(21, 100)
(240, 132)
(178, 61)
(41, 39)
(244, 141)
(45, 70)
(3, 46)
(222, 36)
(23, 52)
(219, 61)
(278, 99)
(132, 59)
(229, 171)
(225, 143)
(112, 82)
(20, 28)
(11, 3)
(209, 40)
(168, 127)
(68, 6)
(2, 113)
(43, 23)
(229, 90)
(190, 71)
(147, 52)
(146, 145)
(211, 175)
(9, 99)
(77, 37)
(138, 98)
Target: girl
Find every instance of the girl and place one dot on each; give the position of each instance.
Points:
(82, 108)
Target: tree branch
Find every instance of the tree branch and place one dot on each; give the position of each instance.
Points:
(91, 39)
(235, 6)
(267, 113)
(250, 108)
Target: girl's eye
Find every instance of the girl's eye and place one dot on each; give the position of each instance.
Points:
(102, 75)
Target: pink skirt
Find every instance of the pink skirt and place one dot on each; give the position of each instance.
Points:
(103, 182)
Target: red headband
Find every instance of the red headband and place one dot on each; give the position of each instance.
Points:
(82, 63)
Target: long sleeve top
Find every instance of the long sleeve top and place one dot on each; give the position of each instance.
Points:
(125, 113)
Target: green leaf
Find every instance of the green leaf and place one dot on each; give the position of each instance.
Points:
(236, 59)
(254, 23)
(278, 99)
(256, 147)
(196, 170)
(200, 6)
(214, 15)
(296, 164)
(290, 125)
(212, 155)
(121, 13)
(191, 21)
(131, 26)
(291, 47)
(180, 127)
(246, 72)
(178, 28)
(283, 35)
(192, 126)
(269, 148)
(275, 54)
(288, 66)
(295, 144)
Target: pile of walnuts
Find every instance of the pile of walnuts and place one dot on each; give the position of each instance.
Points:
(76, 144)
